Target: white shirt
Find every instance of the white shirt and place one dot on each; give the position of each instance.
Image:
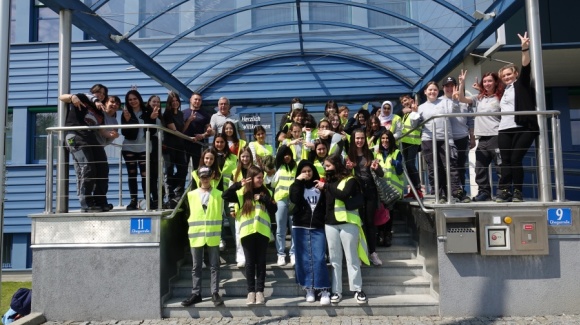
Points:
(507, 104)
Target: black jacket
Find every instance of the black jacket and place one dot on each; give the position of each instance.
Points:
(525, 99)
(145, 115)
(230, 195)
(303, 215)
(333, 193)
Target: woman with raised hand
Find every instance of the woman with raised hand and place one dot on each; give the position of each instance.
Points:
(174, 151)
(516, 133)
(486, 127)
(257, 206)
(259, 147)
(134, 145)
(343, 229)
(308, 233)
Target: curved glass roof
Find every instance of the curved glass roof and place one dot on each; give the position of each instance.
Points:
(198, 44)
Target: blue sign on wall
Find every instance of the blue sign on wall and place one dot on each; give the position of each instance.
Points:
(140, 226)
(559, 217)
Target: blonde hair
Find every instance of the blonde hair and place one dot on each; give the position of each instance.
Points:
(511, 67)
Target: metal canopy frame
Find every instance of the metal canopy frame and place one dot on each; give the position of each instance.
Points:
(88, 20)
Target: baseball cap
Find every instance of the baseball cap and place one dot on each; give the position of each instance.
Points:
(204, 172)
(448, 80)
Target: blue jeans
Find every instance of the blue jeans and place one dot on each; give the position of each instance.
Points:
(283, 222)
(310, 267)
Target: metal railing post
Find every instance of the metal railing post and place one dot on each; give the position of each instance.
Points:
(447, 161)
(147, 169)
(558, 160)
(435, 164)
(49, 174)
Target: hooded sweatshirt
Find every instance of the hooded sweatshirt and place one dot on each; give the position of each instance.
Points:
(310, 202)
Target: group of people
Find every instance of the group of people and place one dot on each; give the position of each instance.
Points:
(312, 187)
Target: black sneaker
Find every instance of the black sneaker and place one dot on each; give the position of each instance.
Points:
(360, 297)
(95, 208)
(442, 199)
(107, 207)
(461, 197)
(335, 298)
(217, 299)
(194, 299)
(481, 196)
(503, 196)
(517, 196)
(388, 239)
(132, 205)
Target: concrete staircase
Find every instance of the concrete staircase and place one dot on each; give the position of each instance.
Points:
(398, 287)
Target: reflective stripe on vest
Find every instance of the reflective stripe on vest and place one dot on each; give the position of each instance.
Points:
(263, 150)
(285, 179)
(258, 223)
(390, 172)
(413, 137)
(319, 168)
(205, 227)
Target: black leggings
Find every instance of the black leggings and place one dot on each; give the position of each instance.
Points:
(367, 215)
(513, 145)
(255, 250)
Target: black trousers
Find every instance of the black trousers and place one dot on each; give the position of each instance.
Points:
(254, 246)
(513, 145)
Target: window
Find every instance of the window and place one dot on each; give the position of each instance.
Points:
(41, 118)
(273, 14)
(47, 24)
(12, 21)
(165, 25)
(206, 10)
(329, 12)
(8, 144)
(380, 20)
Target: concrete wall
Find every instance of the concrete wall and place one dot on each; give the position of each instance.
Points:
(475, 285)
(96, 283)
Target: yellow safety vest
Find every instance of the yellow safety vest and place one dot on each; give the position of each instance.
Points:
(229, 168)
(319, 168)
(205, 227)
(285, 179)
(389, 170)
(413, 137)
(213, 182)
(257, 222)
(351, 216)
(262, 150)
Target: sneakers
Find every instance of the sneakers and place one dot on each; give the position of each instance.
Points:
(194, 299)
(335, 298)
(251, 298)
(375, 259)
(325, 298)
(107, 207)
(132, 205)
(461, 197)
(310, 295)
(281, 260)
(241, 264)
(442, 199)
(481, 196)
(292, 260)
(503, 196)
(216, 299)
(360, 297)
(260, 299)
(222, 245)
(517, 196)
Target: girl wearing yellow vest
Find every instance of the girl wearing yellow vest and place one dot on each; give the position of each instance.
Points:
(343, 229)
(317, 157)
(205, 223)
(361, 160)
(244, 163)
(391, 162)
(208, 159)
(286, 170)
(226, 162)
(391, 121)
(234, 144)
(295, 142)
(334, 138)
(257, 206)
(260, 148)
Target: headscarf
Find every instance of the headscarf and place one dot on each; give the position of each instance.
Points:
(315, 177)
(386, 118)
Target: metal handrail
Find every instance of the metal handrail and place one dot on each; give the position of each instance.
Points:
(556, 143)
(49, 173)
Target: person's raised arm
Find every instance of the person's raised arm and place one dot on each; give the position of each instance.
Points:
(525, 49)
(461, 80)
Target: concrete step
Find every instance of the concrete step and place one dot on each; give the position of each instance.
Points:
(403, 267)
(376, 286)
(291, 306)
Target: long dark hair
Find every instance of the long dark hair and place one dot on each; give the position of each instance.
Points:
(215, 167)
(249, 190)
(170, 97)
(283, 151)
(226, 152)
(392, 145)
(367, 153)
(139, 98)
(235, 135)
(340, 171)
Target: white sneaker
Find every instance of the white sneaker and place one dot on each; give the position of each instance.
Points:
(241, 264)
(375, 259)
(292, 260)
(281, 260)
(310, 295)
(222, 245)
(325, 298)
